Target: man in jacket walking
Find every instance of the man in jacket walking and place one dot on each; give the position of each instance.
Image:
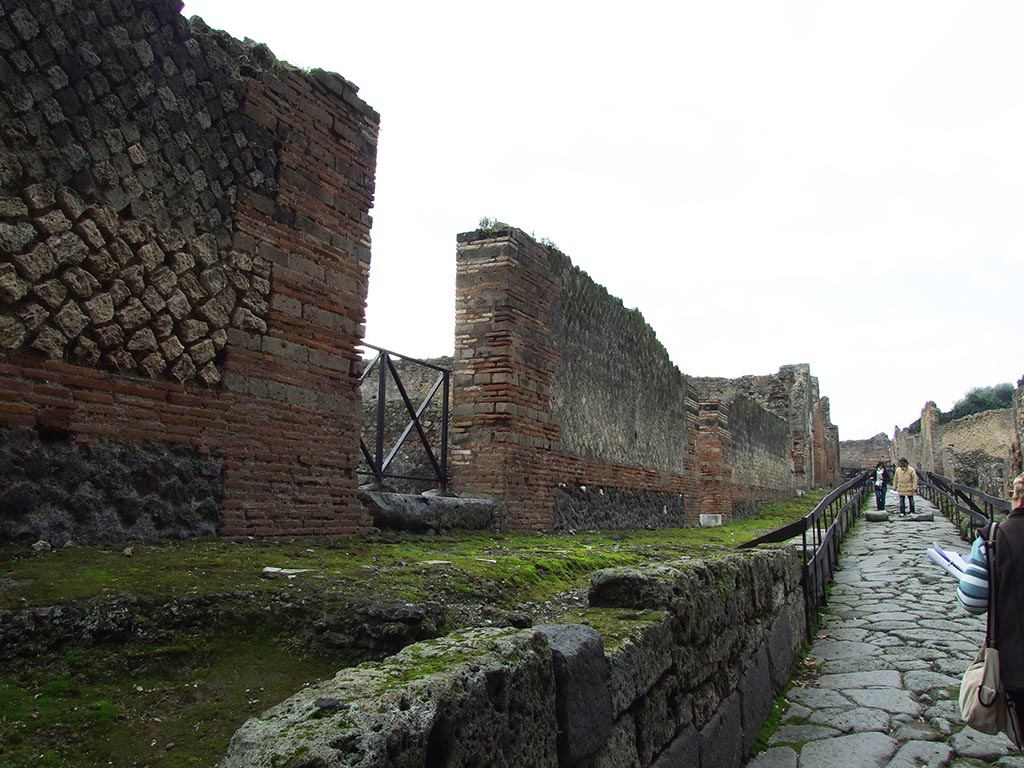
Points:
(905, 484)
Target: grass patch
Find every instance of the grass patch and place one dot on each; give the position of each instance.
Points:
(140, 705)
(404, 565)
(177, 702)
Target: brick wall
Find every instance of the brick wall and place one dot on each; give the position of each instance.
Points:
(565, 399)
(185, 251)
(558, 388)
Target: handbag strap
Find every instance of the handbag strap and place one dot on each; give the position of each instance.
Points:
(990, 559)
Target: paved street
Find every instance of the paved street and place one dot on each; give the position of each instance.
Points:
(889, 655)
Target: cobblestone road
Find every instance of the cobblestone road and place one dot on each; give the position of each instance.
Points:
(890, 651)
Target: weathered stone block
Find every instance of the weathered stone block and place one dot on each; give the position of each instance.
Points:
(720, 747)
(12, 332)
(68, 248)
(494, 707)
(184, 369)
(189, 330)
(638, 663)
(132, 314)
(90, 234)
(12, 287)
(16, 237)
(582, 698)
(81, 283)
(51, 223)
(109, 337)
(50, 292)
(683, 751)
(12, 208)
(85, 350)
(143, 340)
(70, 320)
(756, 698)
(70, 203)
(152, 299)
(50, 342)
(209, 375)
(153, 365)
(217, 311)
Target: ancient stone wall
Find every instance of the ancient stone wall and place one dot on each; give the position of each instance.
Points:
(977, 450)
(640, 686)
(184, 252)
(534, 419)
(759, 446)
(865, 454)
(568, 409)
(793, 395)
(1016, 465)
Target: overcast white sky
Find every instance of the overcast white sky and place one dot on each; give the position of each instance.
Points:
(839, 184)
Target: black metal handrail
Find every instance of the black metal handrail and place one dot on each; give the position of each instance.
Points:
(822, 532)
(961, 503)
(377, 461)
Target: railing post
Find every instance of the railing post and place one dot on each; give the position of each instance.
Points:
(378, 463)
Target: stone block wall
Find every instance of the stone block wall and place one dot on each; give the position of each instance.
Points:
(856, 455)
(645, 688)
(793, 395)
(569, 410)
(184, 253)
(759, 445)
(562, 395)
(977, 450)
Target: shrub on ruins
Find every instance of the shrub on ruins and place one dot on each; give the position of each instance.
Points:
(977, 400)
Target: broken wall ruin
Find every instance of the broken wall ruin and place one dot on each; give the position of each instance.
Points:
(184, 234)
(977, 450)
(569, 410)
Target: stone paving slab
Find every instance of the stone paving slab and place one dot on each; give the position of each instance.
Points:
(890, 650)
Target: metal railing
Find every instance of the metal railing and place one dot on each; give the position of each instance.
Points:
(961, 503)
(822, 532)
(377, 460)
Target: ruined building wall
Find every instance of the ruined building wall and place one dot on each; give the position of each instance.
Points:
(184, 252)
(864, 454)
(759, 455)
(535, 420)
(977, 450)
(793, 395)
(568, 408)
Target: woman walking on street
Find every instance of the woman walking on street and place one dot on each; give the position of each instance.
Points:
(881, 481)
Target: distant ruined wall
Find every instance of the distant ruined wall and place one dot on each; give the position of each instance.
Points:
(865, 454)
(976, 450)
(1017, 445)
(568, 409)
(793, 395)
(184, 253)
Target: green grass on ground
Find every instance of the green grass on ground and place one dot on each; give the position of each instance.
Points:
(176, 702)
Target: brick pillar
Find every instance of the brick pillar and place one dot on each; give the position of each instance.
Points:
(715, 471)
(503, 433)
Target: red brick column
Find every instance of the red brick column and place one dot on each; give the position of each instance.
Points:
(502, 426)
(715, 472)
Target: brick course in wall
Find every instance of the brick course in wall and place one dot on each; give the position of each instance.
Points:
(185, 252)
